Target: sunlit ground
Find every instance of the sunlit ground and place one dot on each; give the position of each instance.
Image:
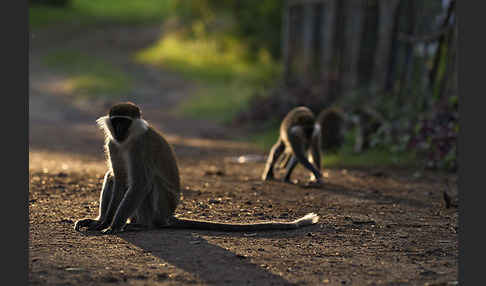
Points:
(55, 162)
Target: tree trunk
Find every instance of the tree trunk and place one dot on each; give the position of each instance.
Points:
(448, 82)
(387, 13)
(327, 40)
(411, 13)
(307, 41)
(285, 42)
(354, 10)
(392, 71)
(438, 54)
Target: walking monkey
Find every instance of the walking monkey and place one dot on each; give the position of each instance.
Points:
(301, 133)
(142, 183)
(298, 135)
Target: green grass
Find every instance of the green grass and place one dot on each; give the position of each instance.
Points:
(88, 12)
(346, 158)
(218, 102)
(88, 76)
(210, 59)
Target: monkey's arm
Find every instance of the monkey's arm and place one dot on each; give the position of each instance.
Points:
(275, 153)
(132, 198)
(119, 186)
(129, 204)
(105, 198)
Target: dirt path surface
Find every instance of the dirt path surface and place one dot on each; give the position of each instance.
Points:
(377, 227)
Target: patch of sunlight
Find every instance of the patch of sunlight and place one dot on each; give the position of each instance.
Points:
(215, 58)
(49, 162)
(206, 143)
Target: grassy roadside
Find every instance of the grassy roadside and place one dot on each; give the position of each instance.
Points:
(227, 78)
(345, 157)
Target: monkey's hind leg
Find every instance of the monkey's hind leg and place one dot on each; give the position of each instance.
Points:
(290, 168)
(105, 197)
(275, 153)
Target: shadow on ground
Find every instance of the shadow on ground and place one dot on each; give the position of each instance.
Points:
(205, 261)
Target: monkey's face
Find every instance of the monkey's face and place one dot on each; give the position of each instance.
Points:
(121, 126)
(123, 123)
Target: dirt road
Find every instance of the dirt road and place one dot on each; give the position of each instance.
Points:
(377, 227)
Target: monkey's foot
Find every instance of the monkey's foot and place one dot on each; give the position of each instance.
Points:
(315, 184)
(267, 177)
(135, 227)
(289, 181)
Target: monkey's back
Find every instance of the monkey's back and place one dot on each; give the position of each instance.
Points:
(161, 172)
(299, 116)
(165, 160)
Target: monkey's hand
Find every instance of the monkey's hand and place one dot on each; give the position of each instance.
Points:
(267, 176)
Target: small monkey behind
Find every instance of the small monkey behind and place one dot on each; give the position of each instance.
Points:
(142, 184)
(331, 123)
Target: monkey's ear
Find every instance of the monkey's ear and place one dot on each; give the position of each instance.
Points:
(105, 125)
(101, 121)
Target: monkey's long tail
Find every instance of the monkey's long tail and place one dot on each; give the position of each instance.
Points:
(308, 219)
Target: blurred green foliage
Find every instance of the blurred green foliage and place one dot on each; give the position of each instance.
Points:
(210, 58)
(257, 23)
(207, 45)
(87, 12)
